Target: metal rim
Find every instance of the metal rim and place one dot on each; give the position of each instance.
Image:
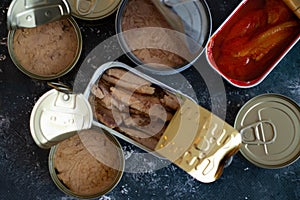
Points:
(151, 69)
(10, 39)
(63, 188)
(291, 159)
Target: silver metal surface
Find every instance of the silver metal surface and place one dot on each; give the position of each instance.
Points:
(57, 116)
(31, 13)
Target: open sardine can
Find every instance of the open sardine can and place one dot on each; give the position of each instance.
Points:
(252, 41)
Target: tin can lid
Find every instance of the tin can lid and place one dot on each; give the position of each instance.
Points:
(93, 9)
(57, 116)
(31, 13)
(270, 129)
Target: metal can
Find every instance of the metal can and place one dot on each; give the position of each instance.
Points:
(44, 42)
(270, 129)
(93, 9)
(160, 120)
(166, 39)
(92, 150)
(245, 58)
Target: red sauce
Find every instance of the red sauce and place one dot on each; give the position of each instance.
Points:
(249, 43)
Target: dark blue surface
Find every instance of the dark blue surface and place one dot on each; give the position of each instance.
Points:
(24, 166)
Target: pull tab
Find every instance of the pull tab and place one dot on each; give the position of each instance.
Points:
(254, 134)
(85, 7)
(61, 87)
(32, 13)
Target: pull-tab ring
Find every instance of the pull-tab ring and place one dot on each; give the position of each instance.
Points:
(61, 87)
(91, 5)
(258, 129)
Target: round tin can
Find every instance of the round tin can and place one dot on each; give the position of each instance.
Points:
(270, 129)
(93, 9)
(65, 69)
(115, 177)
(186, 44)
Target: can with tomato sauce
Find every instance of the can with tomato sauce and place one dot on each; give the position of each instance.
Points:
(252, 41)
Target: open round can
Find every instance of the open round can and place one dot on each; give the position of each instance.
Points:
(57, 61)
(165, 37)
(87, 165)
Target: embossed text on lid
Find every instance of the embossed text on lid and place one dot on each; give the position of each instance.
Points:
(270, 128)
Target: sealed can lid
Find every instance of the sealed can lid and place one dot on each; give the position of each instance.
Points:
(93, 9)
(31, 13)
(57, 116)
(270, 129)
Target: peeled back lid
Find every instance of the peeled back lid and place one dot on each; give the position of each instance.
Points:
(270, 129)
(57, 116)
(31, 13)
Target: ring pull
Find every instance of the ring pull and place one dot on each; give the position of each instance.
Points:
(61, 87)
(85, 7)
(259, 134)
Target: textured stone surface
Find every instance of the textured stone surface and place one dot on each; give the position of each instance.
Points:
(24, 166)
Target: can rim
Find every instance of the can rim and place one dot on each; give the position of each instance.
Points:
(244, 154)
(67, 191)
(148, 68)
(10, 39)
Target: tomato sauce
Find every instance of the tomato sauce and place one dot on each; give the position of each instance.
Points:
(253, 38)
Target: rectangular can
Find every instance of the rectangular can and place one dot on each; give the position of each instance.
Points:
(252, 41)
(189, 136)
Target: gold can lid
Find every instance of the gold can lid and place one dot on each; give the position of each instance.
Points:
(270, 129)
(32, 13)
(57, 116)
(93, 9)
